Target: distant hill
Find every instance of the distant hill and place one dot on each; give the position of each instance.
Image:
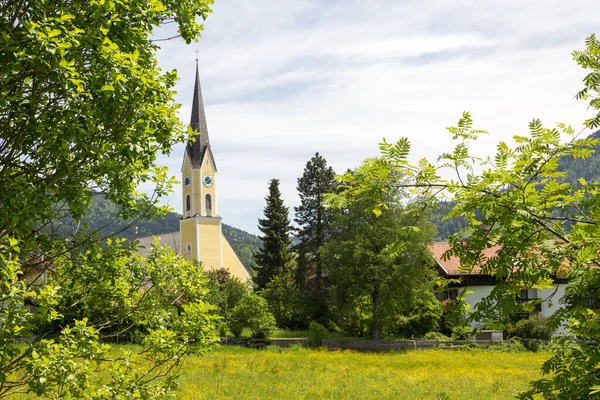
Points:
(588, 168)
(101, 216)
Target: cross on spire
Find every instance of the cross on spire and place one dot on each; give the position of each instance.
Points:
(197, 52)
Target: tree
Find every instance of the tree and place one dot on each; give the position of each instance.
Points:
(546, 226)
(252, 313)
(84, 110)
(275, 255)
(314, 228)
(384, 259)
(225, 291)
(285, 301)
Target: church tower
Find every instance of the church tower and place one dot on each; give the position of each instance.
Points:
(200, 227)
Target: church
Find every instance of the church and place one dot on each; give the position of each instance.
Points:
(200, 236)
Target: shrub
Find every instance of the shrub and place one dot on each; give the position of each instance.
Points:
(461, 332)
(316, 334)
(424, 317)
(536, 327)
(436, 336)
(225, 291)
(285, 301)
(236, 328)
(253, 313)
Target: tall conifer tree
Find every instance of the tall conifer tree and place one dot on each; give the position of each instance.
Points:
(275, 256)
(314, 221)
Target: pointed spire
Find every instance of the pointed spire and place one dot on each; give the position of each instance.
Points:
(198, 123)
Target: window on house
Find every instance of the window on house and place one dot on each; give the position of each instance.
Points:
(448, 294)
(208, 205)
(187, 203)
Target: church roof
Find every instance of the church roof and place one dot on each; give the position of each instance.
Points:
(171, 239)
(201, 144)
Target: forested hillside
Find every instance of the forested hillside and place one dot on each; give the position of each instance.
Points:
(101, 217)
(588, 169)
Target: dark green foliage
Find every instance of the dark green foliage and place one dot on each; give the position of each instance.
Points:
(316, 334)
(314, 228)
(252, 313)
(225, 292)
(275, 255)
(85, 109)
(586, 168)
(379, 263)
(285, 301)
(423, 317)
(462, 332)
(535, 327)
(446, 227)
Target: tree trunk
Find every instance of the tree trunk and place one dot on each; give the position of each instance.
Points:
(376, 328)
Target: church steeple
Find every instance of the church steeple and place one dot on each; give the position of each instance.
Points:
(201, 143)
(200, 232)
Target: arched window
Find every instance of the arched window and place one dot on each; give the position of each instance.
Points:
(208, 205)
(187, 203)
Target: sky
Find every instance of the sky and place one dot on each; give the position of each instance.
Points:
(282, 80)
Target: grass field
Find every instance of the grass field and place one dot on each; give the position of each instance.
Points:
(300, 373)
(240, 373)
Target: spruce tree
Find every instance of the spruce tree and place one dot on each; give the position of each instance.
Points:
(314, 225)
(274, 257)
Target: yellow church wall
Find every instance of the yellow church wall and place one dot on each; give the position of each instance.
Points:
(187, 227)
(186, 171)
(208, 168)
(232, 262)
(209, 232)
(197, 192)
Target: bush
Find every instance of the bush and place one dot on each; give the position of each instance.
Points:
(253, 313)
(436, 336)
(316, 334)
(236, 328)
(531, 344)
(424, 317)
(225, 291)
(536, 327)
(461, 332)
(285, 301)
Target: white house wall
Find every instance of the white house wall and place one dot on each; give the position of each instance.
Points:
(550, 305)
(478, 293)
(552, 302)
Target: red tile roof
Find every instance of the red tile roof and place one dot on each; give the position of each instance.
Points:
(451, 265)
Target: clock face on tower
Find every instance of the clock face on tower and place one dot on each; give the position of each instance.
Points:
(207, 180)
(187, 181)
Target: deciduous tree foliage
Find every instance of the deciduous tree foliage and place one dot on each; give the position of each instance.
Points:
(275, 255)
(381, 258)
(84, 109)
(546, 226)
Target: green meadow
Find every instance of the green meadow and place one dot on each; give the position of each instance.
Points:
(300, 373)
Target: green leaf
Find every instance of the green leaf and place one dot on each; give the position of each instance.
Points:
(54, 33)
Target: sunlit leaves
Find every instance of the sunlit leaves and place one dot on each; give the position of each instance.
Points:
(520, 206)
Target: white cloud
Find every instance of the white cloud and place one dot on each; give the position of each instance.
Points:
(284, 80)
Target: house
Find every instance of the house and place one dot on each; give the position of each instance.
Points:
(479, 285)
